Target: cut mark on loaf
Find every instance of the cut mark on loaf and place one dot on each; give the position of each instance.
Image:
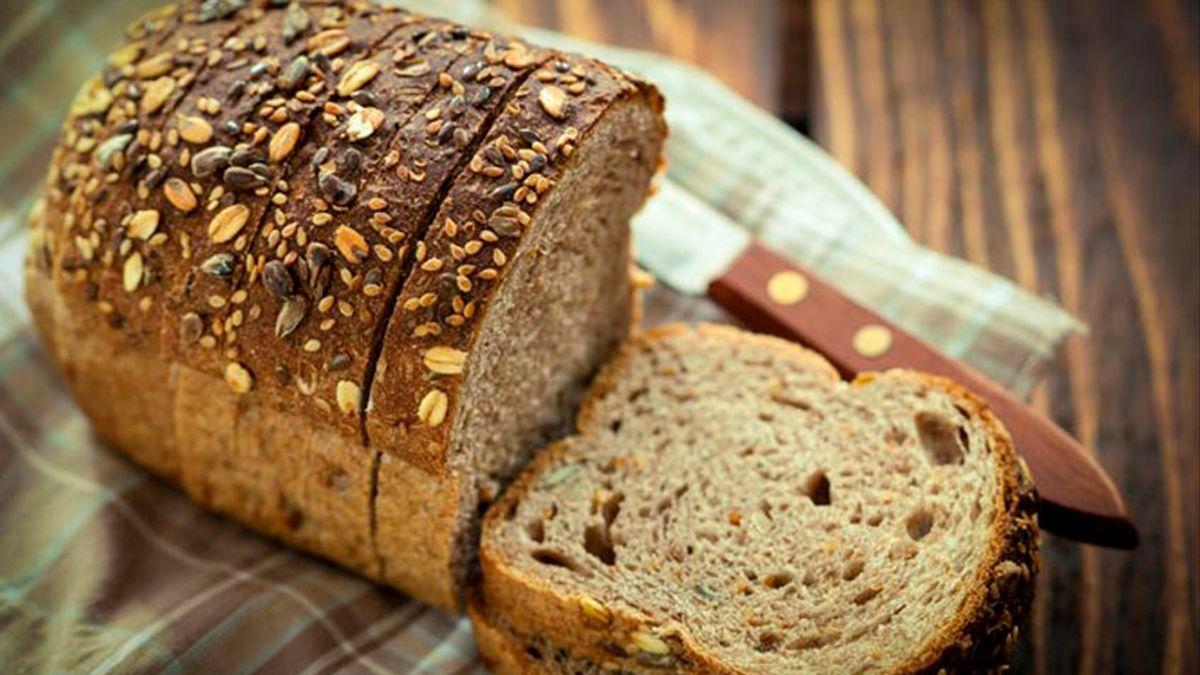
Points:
(409, 263)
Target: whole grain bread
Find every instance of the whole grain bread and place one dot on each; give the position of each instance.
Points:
(230, 217)
(730, 505)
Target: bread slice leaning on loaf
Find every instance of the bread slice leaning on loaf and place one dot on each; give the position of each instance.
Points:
(730, 505)
(336, 269)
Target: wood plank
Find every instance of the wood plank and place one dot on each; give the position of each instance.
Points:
(738, 42)
(1073, 165)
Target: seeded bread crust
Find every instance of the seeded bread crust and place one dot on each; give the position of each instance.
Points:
(480, 226)
(979, 638)
(214, 300)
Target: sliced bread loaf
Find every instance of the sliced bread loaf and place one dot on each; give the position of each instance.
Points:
(259, 206)
(730, 505)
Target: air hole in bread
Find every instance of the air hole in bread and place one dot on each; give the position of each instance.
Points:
(612, 508)
(553, 558)
(536, 530)
(813, 641)
(768, 641)
(866, 595)
(597, 542)
(778, 579)
(941, 438)
(852, 570)
(615, 425)
(510, 512)
(533, 652)
(817, 488)
(919, 524)
(638, 393)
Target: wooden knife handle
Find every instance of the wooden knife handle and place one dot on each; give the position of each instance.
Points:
(774, 295)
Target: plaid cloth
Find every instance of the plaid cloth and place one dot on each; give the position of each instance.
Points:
(104, 569)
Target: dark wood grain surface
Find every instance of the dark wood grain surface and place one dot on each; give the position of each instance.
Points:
(1056, 142)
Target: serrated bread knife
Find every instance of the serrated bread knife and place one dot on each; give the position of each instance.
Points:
(697, 251)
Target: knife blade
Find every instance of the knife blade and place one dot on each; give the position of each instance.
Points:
(697, 251)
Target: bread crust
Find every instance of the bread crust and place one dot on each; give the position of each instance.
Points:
(978, 638)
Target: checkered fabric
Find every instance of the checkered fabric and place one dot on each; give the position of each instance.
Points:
(104, 569)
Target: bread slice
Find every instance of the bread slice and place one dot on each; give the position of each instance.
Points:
(520, 294)
(730, 505)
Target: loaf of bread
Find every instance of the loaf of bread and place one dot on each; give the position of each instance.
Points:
(336, 268)
(730, 505)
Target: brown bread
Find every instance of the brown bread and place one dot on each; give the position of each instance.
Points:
(730, 505)
(216, 270)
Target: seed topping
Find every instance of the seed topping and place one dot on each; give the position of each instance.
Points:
(179, 195)
(131, 273)
(143, 224)
(553, 101)
(432, 409)
(349, 396)
(356, 77)
(227, 223)
(195, 130)
(283, 142)
(350, 244)
(445, 360)
(238, 378)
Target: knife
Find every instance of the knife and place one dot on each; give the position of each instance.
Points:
(709, 255)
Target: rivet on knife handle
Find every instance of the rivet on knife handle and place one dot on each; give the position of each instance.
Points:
(772, 294)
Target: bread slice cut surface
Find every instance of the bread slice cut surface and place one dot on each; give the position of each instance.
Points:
(730, 505)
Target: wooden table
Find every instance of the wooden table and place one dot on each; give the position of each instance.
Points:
(1056, 143)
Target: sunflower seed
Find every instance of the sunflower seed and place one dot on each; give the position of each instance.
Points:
(108, 150)
(241, 178)
(277, 279)
(218, 265)
(317, 255)
(293, 75)
(191, 327)
(553, 101)
(336, 190)
(210, 160)
(291, 313)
